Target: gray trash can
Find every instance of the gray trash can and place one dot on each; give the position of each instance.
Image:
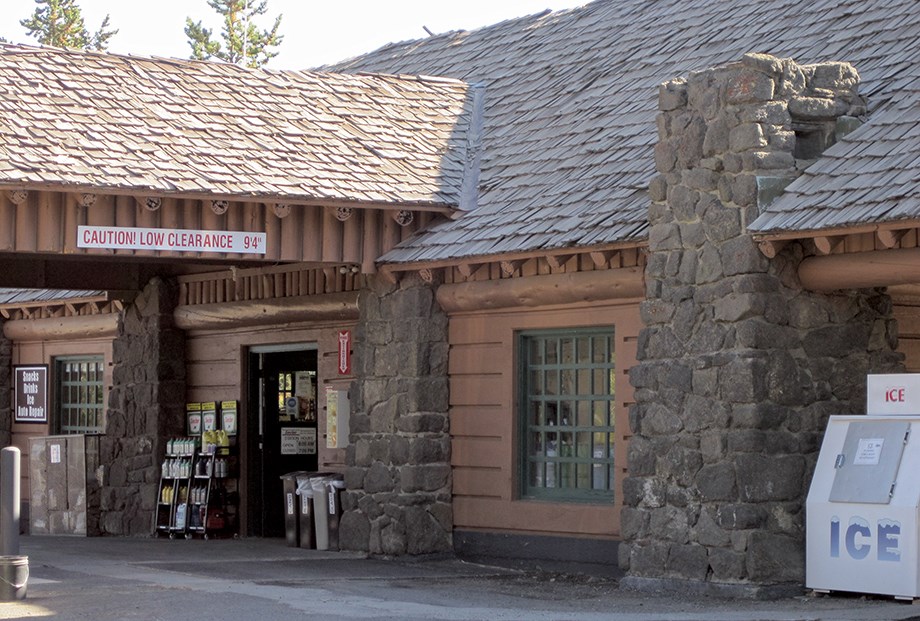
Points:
(305, 514)
(335, 510)
(291, 518)
(326, 510)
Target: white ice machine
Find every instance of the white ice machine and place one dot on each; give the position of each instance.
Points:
(863, 507)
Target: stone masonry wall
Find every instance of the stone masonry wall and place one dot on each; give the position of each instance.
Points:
(398, 483)
(146, 408)
(739, 367)
(6, 389)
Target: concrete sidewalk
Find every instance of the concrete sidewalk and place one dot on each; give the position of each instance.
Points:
(246, 579)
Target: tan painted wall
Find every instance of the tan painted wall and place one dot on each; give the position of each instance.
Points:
(43, 352)
(484, 435)
(217, 368)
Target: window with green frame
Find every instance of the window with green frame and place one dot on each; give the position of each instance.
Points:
(80, 389)
(567, 414)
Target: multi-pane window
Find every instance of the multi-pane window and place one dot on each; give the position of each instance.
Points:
(80, 394)
(567, 414)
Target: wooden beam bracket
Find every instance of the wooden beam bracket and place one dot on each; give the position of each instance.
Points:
(890, 238)
(827, 244)
(770, 248)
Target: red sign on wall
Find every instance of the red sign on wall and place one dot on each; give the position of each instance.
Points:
(344, 352)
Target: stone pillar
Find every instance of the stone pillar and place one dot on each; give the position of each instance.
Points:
(739, 367)
(6, 389)
(398, 498)
(146, 408)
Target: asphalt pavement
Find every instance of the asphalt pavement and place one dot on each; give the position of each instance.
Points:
(105, 579)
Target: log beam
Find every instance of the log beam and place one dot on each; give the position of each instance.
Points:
(332, 306)
(60, 328)
(860, 270)
(625, 283)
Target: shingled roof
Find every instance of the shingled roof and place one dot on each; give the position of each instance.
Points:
(571, 99)
(871, 175)
(71, 119)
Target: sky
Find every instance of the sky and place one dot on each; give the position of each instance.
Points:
(315, 32)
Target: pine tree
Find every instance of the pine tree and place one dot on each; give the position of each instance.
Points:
(60, 23)
(243, 43)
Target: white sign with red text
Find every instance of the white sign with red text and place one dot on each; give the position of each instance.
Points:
(897, 394)
(178, 240)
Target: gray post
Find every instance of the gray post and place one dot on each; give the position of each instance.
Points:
(9, 501)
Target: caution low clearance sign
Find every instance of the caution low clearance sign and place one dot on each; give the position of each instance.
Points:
(178, 240)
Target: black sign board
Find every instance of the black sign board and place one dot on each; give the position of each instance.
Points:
(30, 390)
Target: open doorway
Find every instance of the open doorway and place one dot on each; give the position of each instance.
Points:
(282, 429)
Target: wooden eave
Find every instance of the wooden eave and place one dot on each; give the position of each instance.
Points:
(70, 307)
(268, 198)
(871, 255)
(44, 222)
(525, 263)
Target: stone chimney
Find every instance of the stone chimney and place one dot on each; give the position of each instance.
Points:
(739, 367)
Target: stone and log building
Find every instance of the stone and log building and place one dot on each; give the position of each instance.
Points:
(590, 294)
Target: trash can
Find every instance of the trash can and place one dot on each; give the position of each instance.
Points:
(305, 517)
(335, 511)
(291, 521)
(326, 510)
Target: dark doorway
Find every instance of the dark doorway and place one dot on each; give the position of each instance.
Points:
(282, 429)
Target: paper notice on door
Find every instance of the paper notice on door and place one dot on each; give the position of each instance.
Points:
(298, 441)
(868, 452)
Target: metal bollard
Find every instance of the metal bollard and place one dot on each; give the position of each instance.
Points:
(9, 501)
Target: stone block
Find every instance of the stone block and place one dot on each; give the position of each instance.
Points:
(423, 422)
(763, 63)
(750, 86)
(429, 450)
(425, 533)
(816, 108)
(763, 478)
(835, 76)
(689, 561)
(427, 394)
(658, 188)
(633, 523)
(672, 95)
(741, 256)
(383, 416)
(716, 482)
(665, 155)
(720, 223)
(727, 565)
(701, 179)
(741, 516)
(393, 538)
(715, 142)
(769, 188)
(746, 136)
(775, 558)
(640, 458)
(659, 420)
(669, 524)
(690, 143)
(708, 532)
(836, 341)
(682, 202)
(425, 478)
(378, 479)
(648, 558)
(768, 160)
